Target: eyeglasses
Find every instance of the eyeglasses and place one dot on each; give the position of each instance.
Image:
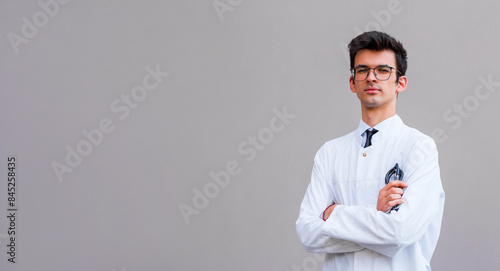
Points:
(382, 72)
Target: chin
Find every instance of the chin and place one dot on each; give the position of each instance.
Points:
(370, 103)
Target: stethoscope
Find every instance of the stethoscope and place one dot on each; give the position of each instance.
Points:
(393, 174)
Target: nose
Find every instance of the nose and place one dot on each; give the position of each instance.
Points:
(371, 75)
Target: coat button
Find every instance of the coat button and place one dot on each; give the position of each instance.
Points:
(364, 154)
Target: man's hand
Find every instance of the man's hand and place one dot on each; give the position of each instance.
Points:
(328, 211)
(390, 195)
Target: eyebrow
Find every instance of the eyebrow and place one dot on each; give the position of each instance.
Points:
(365, 66)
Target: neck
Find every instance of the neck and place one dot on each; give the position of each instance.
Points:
(373, 116)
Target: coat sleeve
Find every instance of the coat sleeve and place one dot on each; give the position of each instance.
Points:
(389, 233)
(309, 225)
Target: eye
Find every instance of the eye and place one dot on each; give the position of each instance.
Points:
(362, 70)
(383, 70)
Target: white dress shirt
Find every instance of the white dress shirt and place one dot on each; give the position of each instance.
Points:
(356, 236)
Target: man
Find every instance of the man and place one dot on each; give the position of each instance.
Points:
(375, 201)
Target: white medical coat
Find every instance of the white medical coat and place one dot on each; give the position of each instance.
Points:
(356, 236)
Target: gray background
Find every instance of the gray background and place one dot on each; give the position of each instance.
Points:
(119, 209)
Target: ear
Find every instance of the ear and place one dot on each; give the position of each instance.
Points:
(402, 83)
(351, 84)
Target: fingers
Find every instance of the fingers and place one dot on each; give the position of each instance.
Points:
(386, 204)
(394, 196)
(391, 195)
(393, 203)
(396, 184)
(395, 190)
(328, 211)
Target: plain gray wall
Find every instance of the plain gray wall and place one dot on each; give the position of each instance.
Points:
(231, 64)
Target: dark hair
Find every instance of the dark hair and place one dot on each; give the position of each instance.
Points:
(379, 41)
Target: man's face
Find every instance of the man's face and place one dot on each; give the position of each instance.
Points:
(372, 92)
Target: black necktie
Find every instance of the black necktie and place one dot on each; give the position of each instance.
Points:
(369, 135)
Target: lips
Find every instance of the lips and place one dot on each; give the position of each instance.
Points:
(372, 90)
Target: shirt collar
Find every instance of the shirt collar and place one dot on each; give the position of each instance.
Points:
(384, 127)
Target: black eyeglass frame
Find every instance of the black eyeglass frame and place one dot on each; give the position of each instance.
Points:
(353, 72)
